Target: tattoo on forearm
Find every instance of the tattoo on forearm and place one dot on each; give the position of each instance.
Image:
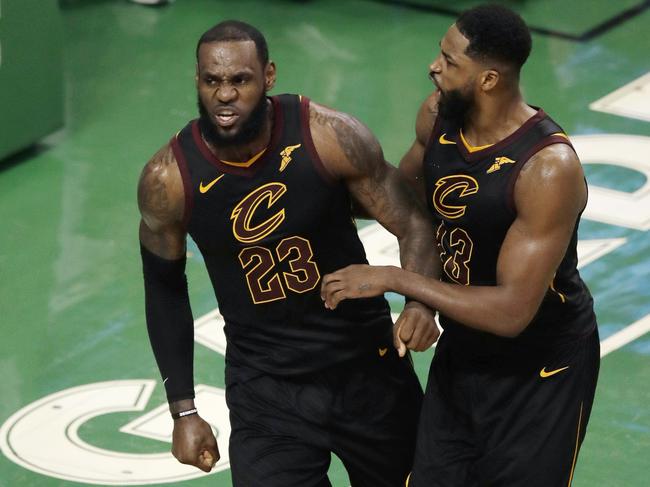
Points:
(382, 190)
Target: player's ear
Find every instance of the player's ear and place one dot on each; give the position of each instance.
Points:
(269, 76)
(196, 75)
(489, 79)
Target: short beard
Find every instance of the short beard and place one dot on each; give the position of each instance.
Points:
(454, 106)
(250, 129)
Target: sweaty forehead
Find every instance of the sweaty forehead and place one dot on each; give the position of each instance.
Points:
(228, 56)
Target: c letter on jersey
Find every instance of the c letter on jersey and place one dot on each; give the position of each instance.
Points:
(242, 214)
(457, 183)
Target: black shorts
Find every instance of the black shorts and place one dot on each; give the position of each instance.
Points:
(505, 422)
(284, 429)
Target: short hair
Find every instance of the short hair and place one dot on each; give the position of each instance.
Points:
(235, 30)
(495, 33)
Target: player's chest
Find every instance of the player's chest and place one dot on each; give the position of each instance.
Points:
(265, 206)
(479, 191)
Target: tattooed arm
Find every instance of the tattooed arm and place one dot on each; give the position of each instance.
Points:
(169, 316)
(350, 152)
(161, 202)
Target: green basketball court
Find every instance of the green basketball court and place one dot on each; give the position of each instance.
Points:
(81, 398)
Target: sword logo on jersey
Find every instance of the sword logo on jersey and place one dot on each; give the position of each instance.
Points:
(453, 187)
(242, 215)
(286, 155)
(498, 162)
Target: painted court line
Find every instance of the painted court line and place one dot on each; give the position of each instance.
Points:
(631, 100)
(625, 336)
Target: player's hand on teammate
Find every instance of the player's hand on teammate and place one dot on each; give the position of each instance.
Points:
(415, 328)
(193, 443)
(354, 281)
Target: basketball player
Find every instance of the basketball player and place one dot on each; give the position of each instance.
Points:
(264, 186)
(512, 381)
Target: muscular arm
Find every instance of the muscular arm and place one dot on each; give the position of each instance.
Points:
(410, 166)
(162, 239)
(169, 317)
(351, 152)
(161, 203)
(411, 163)
(549, 195)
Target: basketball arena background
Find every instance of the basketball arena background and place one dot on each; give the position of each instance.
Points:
(90, 89)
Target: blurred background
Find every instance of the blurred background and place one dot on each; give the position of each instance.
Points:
(90, 89)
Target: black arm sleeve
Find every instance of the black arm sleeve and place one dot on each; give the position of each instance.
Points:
(169, 322)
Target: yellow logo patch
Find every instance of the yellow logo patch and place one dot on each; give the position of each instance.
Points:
(544, 373)
(498, 162)
(206, 188)
(286, 155)
(444, 141)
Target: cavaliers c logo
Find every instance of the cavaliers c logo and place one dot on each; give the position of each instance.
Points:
(243, 213)
(460, 184)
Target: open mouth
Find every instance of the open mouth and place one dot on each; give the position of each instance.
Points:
(225, 119)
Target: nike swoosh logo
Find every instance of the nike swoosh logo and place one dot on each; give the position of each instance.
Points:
(206, 188)
(544, 374)
(382, 351)
(444, 141)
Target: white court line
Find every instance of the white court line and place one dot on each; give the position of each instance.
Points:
(625, 336)
(631, 100)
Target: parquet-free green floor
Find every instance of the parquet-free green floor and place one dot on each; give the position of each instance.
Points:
(71, 304)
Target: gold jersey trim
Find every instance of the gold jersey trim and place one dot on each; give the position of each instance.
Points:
(247, 163)
(470, 148)
(575, 451)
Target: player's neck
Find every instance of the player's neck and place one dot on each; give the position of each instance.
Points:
(494, 120)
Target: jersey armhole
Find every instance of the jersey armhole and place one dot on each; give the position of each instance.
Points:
(510, 191)
(322, 171)
(432, 134)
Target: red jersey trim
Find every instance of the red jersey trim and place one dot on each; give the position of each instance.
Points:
(480, 154)
(510, 190)
(309, 142)
(432, 135)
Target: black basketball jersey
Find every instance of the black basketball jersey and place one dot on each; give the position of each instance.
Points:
(268, 233)
(470, 193)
